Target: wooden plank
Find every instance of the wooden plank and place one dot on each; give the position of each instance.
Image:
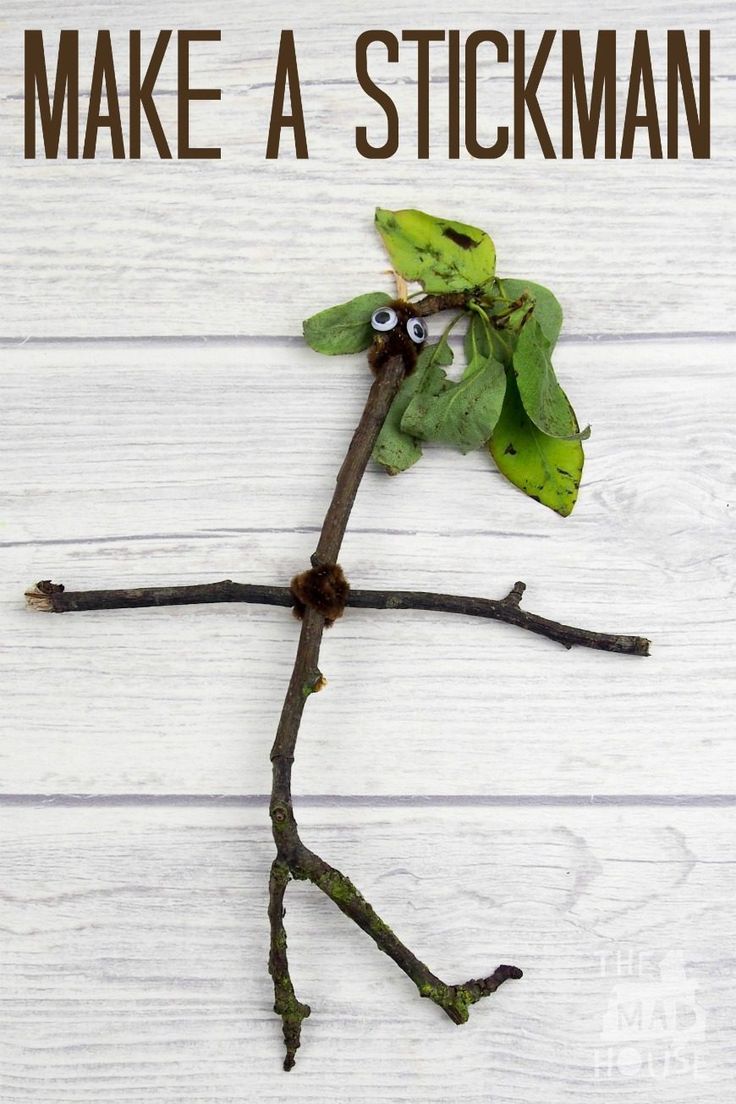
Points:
(248, 246)
(135, 942)
(130, 440)
(174, 463)
(186, 701)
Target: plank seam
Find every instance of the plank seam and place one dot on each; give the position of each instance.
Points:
(392, 801)
(292, 340)
(220, 534)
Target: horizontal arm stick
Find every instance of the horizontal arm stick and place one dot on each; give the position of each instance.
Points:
(49, 596)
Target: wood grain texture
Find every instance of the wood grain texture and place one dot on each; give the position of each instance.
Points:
(134, 944)
(197, 466)
(249, 246)
(133, 936)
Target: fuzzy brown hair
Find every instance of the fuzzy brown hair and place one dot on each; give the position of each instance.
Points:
(395, 342)
(324, 588)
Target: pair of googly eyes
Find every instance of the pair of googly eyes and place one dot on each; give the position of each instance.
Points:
(386, 318)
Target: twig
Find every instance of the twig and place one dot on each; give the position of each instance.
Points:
(293, 858)
(286, 1005)
(51, 597)
(306, 678)
(450, 300)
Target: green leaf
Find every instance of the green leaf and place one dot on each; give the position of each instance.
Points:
(395, 449)
(345, 328)
(547, 310)
(544, 400)
(545, 468)
(461, 414)
(440, 254)
(477, 338)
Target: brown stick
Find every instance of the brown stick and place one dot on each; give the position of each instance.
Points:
(48, 596)
(449, 300)
(286, 1005)
(306, 679)
(293, 858)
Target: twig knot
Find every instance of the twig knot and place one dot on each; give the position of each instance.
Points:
(324, 588)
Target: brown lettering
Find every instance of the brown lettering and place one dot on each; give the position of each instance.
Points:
(423, 39)
(103, 74)
(287, 72)
(641, 77)
(384, 101)
(603, 90)
(66, 87)
(141, 94)
(678, 70)
(185, 95)
(453, 98)
(525, 94)
(473, 146)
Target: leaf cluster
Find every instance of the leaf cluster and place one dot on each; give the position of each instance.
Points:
(507, 398)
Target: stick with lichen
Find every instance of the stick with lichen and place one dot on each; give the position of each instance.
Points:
(507, 401)
(452, 999)
(291, 1011)
(306, 679)
(293, 857)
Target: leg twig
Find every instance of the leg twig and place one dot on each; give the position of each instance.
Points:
(454, 1000)
(291, 1011)
(293, 859)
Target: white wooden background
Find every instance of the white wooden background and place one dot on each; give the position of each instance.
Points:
(496, 798)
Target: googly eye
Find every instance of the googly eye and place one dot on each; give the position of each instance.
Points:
(383, 319)
(416, 330)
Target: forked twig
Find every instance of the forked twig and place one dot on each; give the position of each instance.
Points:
(294, 859)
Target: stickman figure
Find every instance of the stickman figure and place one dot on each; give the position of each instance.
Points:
(508, 392)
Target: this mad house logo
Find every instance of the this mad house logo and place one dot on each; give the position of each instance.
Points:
(653, 1024)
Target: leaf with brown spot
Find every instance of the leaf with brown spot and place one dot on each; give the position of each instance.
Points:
(440, 254)
(547, 309)
(545, 468)
(463, 240)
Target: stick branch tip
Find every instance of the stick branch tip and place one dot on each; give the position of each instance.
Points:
(40, 596)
